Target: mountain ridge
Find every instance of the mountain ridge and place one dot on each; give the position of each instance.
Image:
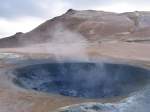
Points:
(91, 24)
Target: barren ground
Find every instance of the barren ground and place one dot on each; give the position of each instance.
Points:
(14, 99)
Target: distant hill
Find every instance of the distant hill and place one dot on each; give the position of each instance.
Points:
(92, 25)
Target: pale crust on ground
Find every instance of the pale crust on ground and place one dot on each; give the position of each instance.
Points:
(124, 50)
(15, 100)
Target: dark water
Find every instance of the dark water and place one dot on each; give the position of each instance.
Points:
(87, 80)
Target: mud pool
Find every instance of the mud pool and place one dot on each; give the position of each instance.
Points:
(83, 79)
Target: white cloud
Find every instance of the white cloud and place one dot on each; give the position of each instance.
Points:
(24, 24)
(53, 8)
(123, 7)
(15, 16)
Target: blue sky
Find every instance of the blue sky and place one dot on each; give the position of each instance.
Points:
(24, 15)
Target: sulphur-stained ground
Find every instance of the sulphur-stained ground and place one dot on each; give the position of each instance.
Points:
(16, 99)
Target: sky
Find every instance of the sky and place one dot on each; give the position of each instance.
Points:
(25, 15)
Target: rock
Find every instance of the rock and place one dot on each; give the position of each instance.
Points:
(92, 25)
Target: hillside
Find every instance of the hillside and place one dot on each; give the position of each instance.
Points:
(93, 26)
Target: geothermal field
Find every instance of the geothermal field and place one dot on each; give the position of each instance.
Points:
(81, 61)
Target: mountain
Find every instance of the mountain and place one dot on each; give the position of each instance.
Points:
(91, 25)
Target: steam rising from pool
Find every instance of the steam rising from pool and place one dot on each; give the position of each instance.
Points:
(82, 79)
